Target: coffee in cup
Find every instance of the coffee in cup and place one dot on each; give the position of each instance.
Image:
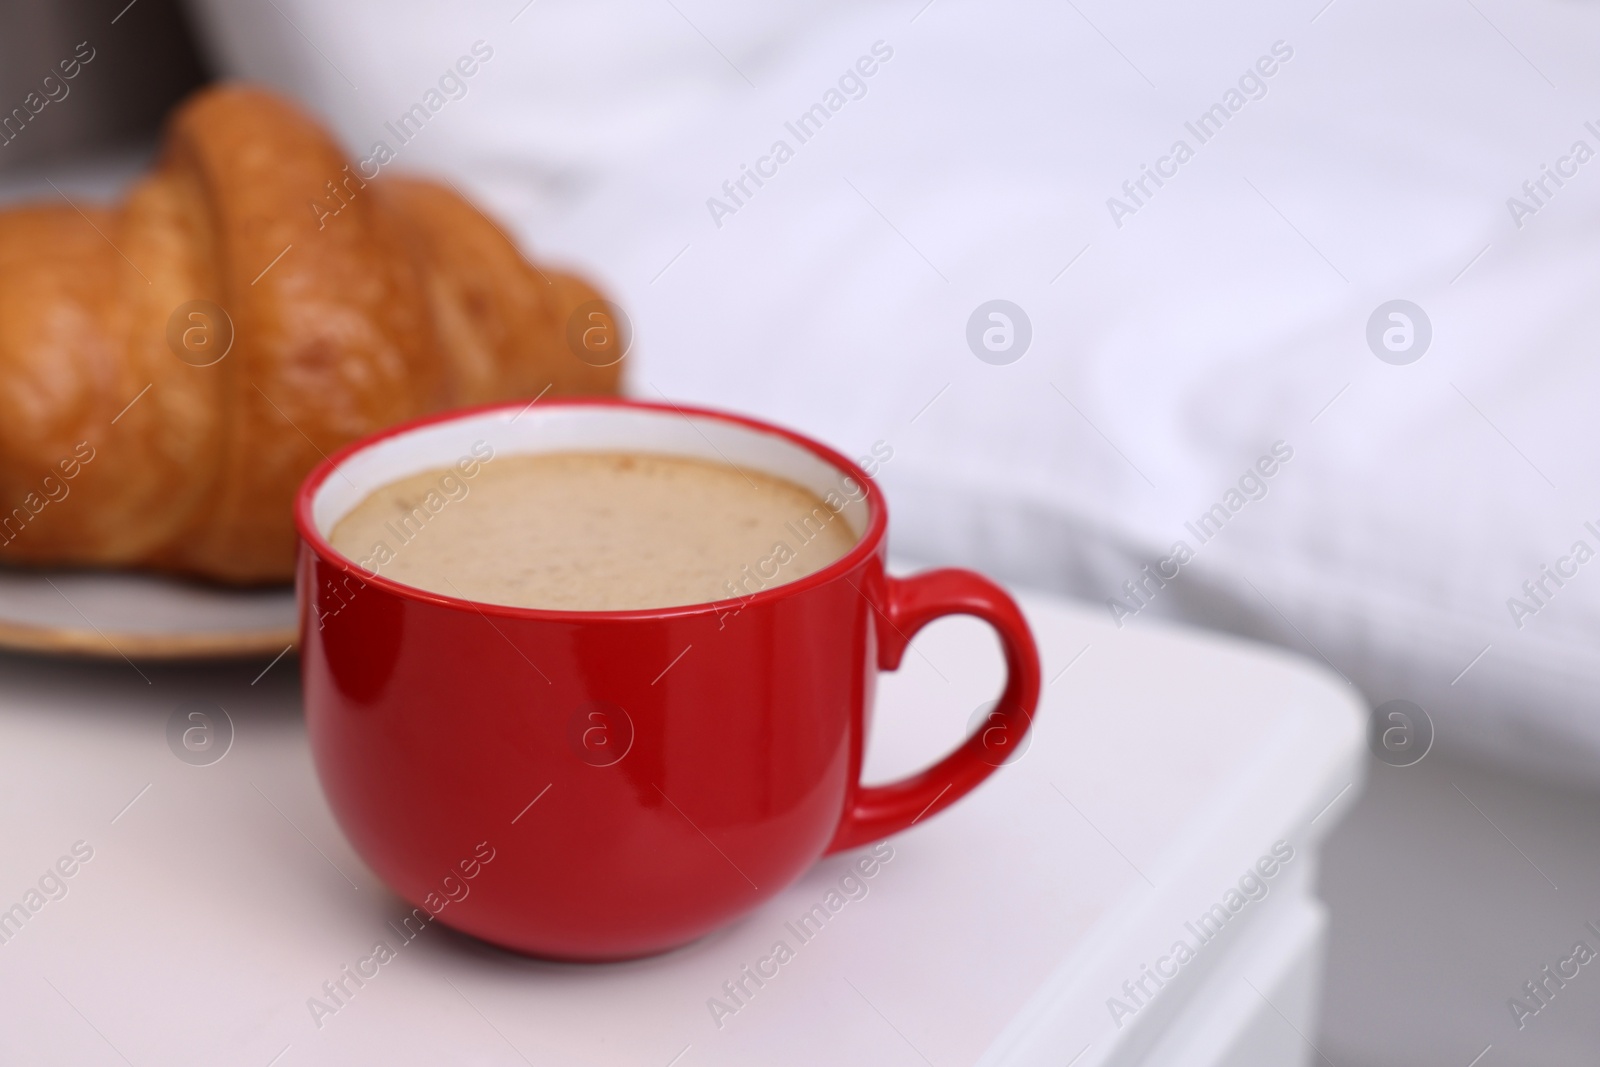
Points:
(594, 531)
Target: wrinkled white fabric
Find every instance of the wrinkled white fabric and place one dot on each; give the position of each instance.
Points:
(1227, 312)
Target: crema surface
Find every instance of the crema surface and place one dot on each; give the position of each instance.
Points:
(594, 531)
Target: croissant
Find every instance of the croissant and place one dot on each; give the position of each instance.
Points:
(172, 367)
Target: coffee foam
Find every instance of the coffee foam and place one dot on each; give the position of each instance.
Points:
(594, 531)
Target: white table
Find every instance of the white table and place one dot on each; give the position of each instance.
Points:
(1164, 764)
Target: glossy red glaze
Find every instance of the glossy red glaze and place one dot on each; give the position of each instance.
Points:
(436, 722)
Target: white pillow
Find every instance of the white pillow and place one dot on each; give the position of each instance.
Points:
(1226, 313)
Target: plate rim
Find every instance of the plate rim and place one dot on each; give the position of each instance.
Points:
(131, 645)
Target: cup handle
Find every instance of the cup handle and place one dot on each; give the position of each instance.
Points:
(909, 604)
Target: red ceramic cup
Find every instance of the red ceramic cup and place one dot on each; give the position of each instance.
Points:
(601, 785)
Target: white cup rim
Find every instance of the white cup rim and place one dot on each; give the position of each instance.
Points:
(349, 475)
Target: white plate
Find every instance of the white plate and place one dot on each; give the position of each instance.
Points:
(140, 616)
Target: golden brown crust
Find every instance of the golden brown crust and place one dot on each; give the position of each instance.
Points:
(392, 299)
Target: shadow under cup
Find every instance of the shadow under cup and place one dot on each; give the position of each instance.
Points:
(602, 785)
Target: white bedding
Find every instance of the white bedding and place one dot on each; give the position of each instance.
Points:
(1172, 346)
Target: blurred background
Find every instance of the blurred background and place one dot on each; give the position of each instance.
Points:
(1082, 266)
